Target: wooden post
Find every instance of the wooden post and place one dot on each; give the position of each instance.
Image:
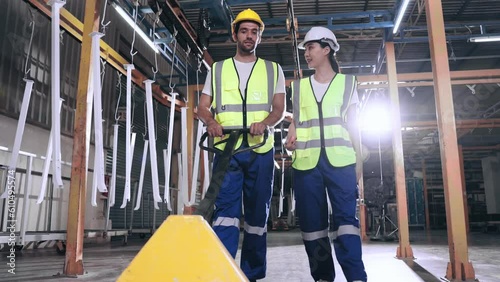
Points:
(73, 264)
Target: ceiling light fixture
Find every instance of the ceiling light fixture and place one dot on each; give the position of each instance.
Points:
(139, 31)
(486, 38)
(401, 13)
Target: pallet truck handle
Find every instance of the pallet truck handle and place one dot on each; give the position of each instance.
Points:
(228, 131)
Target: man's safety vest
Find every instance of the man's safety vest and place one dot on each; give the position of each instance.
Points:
(236, 110)
(322, 124)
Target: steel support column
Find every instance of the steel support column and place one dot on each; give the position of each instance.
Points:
(73, 265)
(459, 268)
(404, 248)
(464, 189)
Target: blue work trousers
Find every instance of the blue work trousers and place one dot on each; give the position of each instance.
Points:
(312, 210)
(250, 176)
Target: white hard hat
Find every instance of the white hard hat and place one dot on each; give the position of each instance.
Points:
(322, 34)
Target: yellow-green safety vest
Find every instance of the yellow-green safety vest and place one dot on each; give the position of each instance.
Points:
(235, 110)
(322, 124)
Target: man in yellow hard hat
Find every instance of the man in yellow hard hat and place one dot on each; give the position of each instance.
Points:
(245, 92)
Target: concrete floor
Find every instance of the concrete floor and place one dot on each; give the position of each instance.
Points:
(286, 260)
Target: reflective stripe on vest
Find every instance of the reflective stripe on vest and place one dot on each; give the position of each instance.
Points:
(230, 104)
(332, 128)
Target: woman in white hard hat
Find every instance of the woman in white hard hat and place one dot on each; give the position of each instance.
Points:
(323, 138)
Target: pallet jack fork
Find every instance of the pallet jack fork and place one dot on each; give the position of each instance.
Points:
(185, 248)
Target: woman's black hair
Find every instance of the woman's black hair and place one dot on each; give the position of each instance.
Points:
(331, 57)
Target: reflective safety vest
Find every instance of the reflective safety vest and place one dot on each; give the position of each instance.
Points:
(236, 110)
(322, 124)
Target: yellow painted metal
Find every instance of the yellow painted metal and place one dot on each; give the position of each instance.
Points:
(183, 249)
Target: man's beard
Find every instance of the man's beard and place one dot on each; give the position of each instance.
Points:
(248, 50)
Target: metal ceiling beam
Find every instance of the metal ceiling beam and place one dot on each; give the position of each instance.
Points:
(173, 18)
(431, 83)
(460, 124)
(422, 76)
(197, 4)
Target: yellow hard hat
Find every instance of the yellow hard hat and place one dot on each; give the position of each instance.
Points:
(248, 15)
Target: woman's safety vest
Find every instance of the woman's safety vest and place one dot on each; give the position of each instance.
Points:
(236, 110)
(322, 124)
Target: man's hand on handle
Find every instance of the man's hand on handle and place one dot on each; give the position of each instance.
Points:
(214, 129)
(258, 128)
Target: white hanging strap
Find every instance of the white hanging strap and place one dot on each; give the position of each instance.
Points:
(46, 165)
(55, 92)
(128, 127)
(152, 138)
(184, 152)
(187, 73)
(166, 194)
(180, 207)
(95, 183)
(169, 148)
(112, 185)
(292, 198)
(88, 121)
(26, 199)
(20, 128)
(99, 168)
(138, 199)
(282, 190)
(126, 192)
(196, 166)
